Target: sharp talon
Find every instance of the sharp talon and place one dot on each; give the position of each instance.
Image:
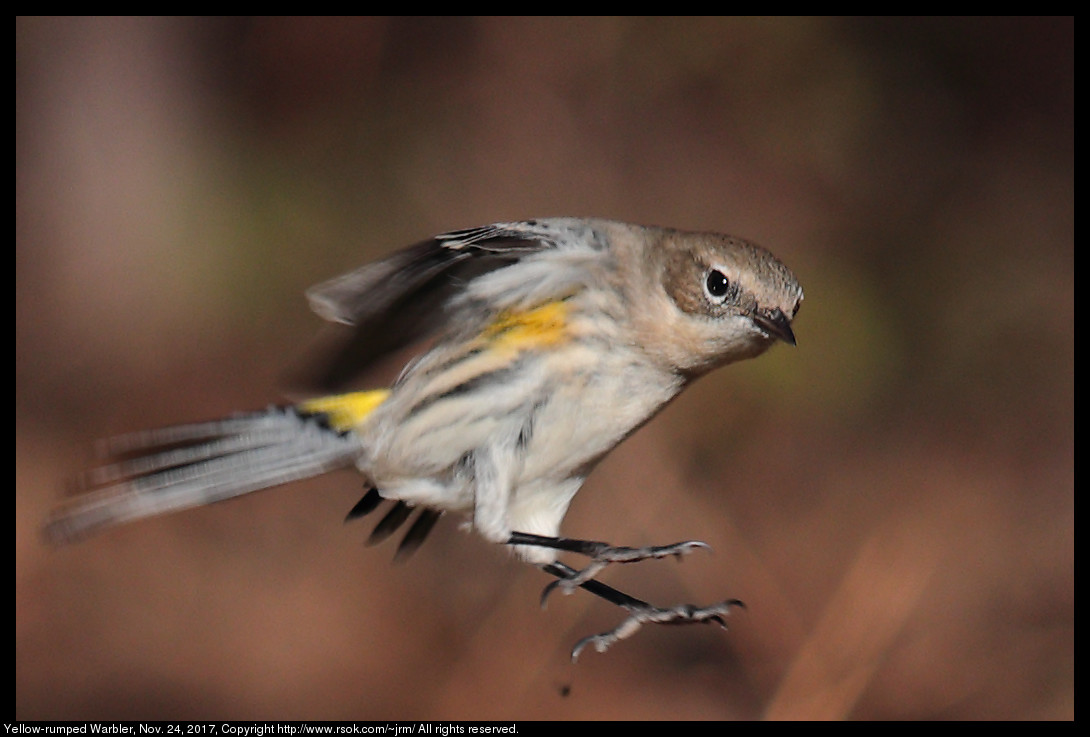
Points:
(579, 647)
(549, 588)
(570, 583)
(601, 642)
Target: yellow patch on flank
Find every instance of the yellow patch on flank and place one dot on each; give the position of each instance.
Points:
(346, 411)
(521, 330)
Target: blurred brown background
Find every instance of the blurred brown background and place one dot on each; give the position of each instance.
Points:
(894, 499)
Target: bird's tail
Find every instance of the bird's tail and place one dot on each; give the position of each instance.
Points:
(174, 468)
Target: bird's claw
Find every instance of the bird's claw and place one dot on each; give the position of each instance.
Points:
(603, 555)
(682, 614)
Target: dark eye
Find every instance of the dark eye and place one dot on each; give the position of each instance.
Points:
(717, 284)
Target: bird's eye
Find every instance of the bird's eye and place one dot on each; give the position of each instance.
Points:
(717, 284)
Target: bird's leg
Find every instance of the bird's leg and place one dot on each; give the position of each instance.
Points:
(601, 555)
(639, 612)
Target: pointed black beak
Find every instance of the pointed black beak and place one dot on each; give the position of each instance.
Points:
(775, 324)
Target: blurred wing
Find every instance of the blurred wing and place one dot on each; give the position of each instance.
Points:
(403, 298)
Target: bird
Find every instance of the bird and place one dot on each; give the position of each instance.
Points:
(544, 344)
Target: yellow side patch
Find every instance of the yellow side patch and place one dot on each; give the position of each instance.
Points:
(346, 411)
(542, 326)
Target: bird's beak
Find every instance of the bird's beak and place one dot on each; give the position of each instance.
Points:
(775, 324)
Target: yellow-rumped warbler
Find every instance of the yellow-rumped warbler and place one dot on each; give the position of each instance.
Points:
(554, 340)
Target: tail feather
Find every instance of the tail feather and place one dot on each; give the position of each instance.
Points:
(212, 461)
(239, 425)
(161, 449)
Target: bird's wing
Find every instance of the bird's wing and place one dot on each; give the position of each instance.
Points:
(407, 296)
